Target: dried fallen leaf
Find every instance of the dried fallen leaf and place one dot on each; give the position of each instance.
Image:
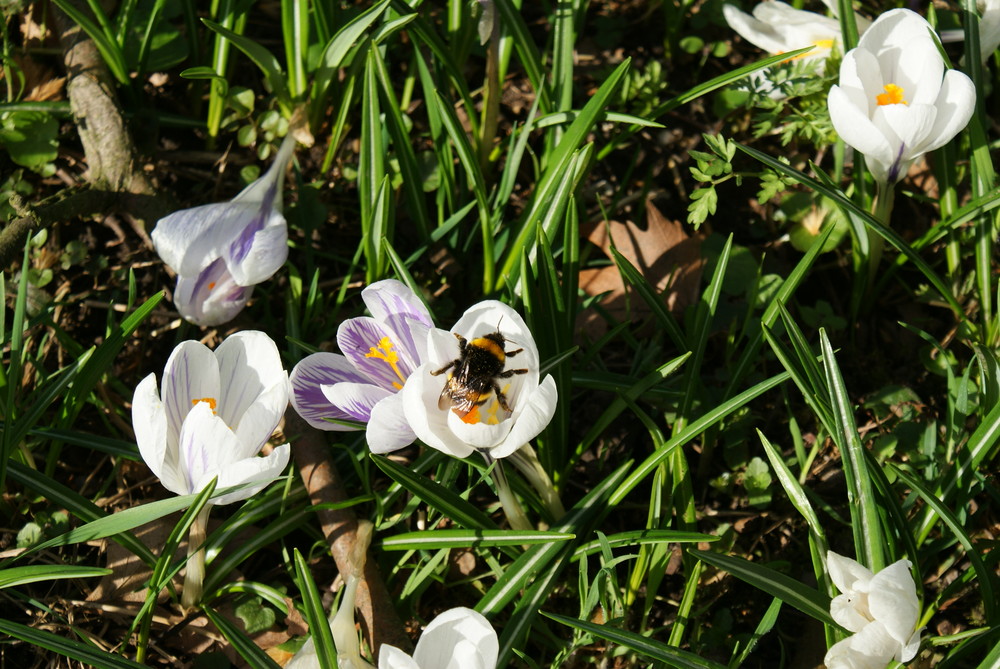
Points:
(662, 251)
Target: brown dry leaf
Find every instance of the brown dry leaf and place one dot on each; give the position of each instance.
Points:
(129, 573)
(668, 258)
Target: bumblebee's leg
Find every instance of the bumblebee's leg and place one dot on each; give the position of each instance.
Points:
(446, 367)
(501, 398)
(511, 372)
(462, 343)
(511, 354)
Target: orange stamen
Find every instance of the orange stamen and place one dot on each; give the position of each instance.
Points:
(893, 96)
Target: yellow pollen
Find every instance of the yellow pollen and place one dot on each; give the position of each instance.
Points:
(385, 352)
(893, 96)
(211, 401)
(211, 285)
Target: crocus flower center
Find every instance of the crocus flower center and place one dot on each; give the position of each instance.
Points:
(893, 96)
(819, 44)
(384, 351)
(490, 413)
(210, 401)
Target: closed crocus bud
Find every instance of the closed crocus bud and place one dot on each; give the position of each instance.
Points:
(480, 389)
(881, 609)
(459, 638)
(895, 101)
(221, 251)
(213, 416)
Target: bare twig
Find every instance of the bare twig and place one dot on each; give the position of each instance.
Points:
(379, 620)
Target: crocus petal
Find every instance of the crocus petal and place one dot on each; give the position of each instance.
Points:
(261, 418)
(909, 650)
(185, 240)
(538, 410)
(260, 248)
(845, 612)
(149, 420)
(206, 446)
(845, 572)
(355, 399)
(253, 469)
(211, 297)
(893, 601)
(758, 33)
(456, 639)
(388, 298)
(374, 351)
(307, 379)
(430, 424)
(391, 657)
(871, 648)
(387, 429)
(955, 104)
(191, 375)
(248, 363)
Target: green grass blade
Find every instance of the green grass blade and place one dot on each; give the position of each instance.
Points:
(416, 208)
(433, 539)
(854, 210)
(984, 575)
(74, 650)
(436, 495)
(295, 33)
(807, 600)
(653, 300)
(523, 570)
(252, 654)
(109, 49)
(555, 171)
(869, 542)
(641, 537)
(34, 573)
(338, 47)
(693, 430)
(263, 59)
(312, 604)
(82, 508)
(674, 657)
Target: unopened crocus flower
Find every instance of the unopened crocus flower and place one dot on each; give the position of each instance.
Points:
(459, 638)
(362, 385)
(777, 28)
(989, 29)
(895, 101)
(215, 412)
(448, 413)
(881, 609)
(221, 251)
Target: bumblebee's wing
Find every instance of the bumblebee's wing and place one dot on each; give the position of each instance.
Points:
(458, 398)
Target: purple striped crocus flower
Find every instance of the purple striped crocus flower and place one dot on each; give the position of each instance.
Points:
(362, 385)
(221, 251)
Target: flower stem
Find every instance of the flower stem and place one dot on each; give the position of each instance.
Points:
(194, 578)
(511, 507)
(882, 211)
(526, 460)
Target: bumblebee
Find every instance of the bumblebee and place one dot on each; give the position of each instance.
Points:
(474, 375)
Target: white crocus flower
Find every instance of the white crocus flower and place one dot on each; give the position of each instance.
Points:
(439, 420)
(221, 251)
(881, 609)
(459, 638)
(989, 28)
(214, 415)
(895, 101)
(777, 28)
